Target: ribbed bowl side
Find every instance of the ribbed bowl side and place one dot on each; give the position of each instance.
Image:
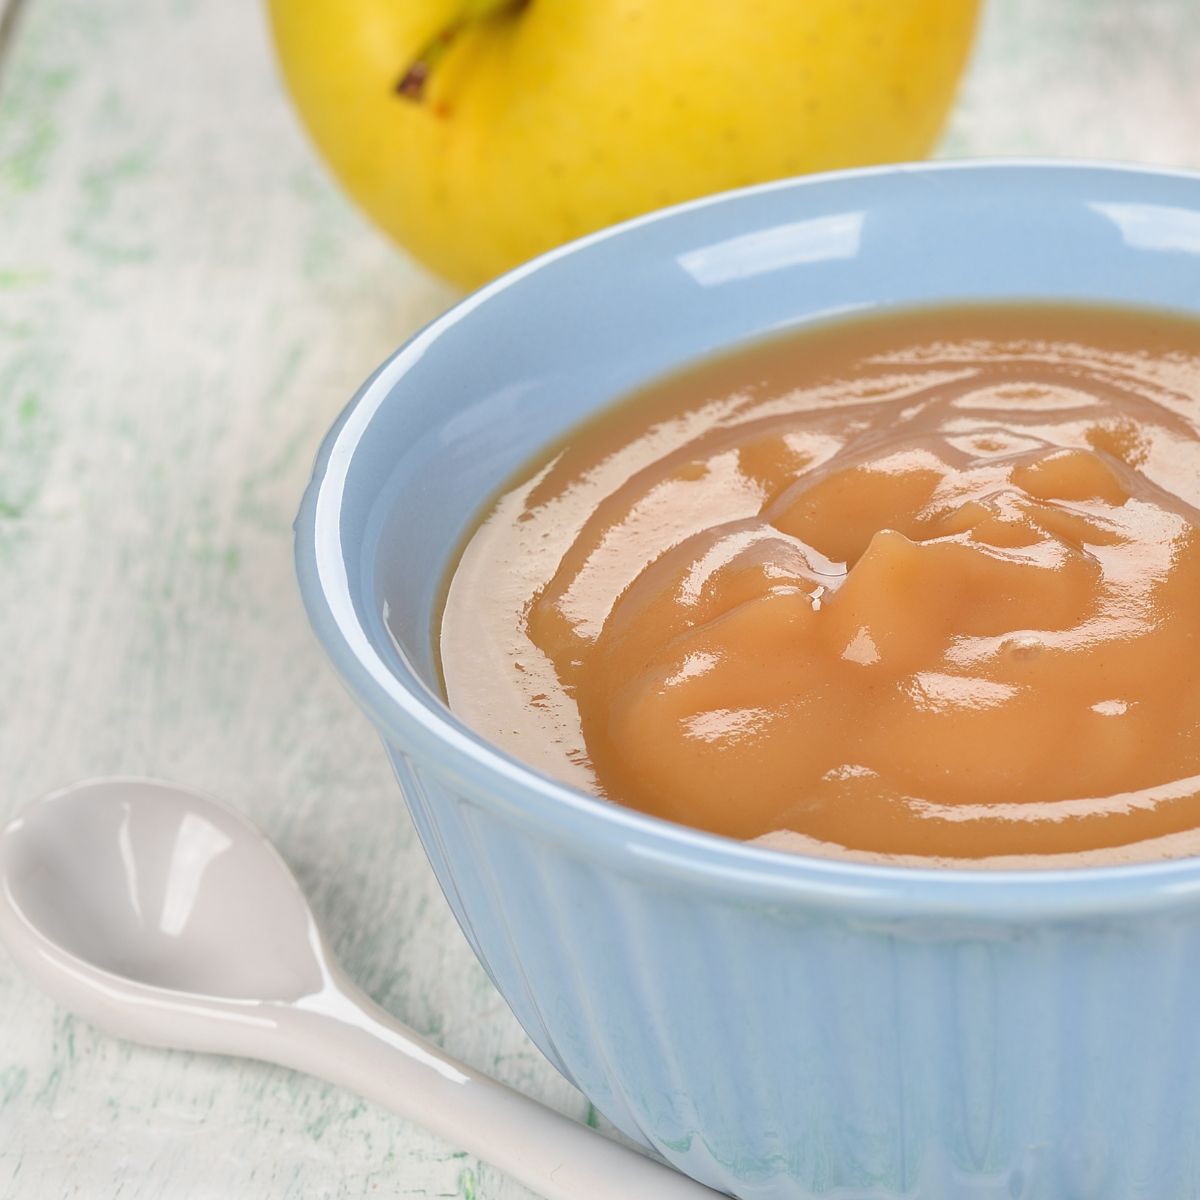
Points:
(791, 1052)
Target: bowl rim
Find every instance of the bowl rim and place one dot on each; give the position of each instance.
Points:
(626, 839)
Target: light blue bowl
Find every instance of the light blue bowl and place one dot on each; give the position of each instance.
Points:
(778, 1027)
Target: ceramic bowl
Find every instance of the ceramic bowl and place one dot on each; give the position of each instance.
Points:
(776, 1026)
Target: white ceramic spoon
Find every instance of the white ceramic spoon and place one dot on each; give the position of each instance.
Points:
(162, 916)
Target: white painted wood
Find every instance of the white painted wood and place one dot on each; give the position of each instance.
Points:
(185, 303)
(1084, 79)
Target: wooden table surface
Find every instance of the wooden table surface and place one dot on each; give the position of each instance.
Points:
(185, 304)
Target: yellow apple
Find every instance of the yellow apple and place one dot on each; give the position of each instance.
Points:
(481, 132)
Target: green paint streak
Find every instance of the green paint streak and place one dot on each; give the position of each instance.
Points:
(49, 1089)
(67, 1033)
(252, 507)
(29, 113)
(466, 1184)
(319, 1125)
(321, 247)
(27, 434)
(292, 449)
(682, 1144)
(12, 279)
(12, 537)
(592, 1120)
(12, 1083)
(26, 167)
(102, 229)
(110, 254)
(285, 376)
(101, 179)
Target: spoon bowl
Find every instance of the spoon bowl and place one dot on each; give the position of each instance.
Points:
(132, 878)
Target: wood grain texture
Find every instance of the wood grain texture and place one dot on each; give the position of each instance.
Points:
(185, 304)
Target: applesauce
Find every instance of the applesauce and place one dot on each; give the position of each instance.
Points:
(916, 587)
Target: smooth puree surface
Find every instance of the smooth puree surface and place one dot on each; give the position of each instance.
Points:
(923, 586)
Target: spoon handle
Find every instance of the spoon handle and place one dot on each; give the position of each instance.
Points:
(343, 1037)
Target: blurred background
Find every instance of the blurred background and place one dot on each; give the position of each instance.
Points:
(186, 302)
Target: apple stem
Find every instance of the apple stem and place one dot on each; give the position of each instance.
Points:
(413, 82)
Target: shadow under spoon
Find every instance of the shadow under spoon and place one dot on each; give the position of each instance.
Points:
(162, 916)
